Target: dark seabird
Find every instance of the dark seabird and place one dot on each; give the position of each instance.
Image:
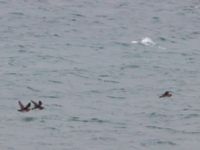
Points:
(24, 108)
(166, 94)
(37, 105)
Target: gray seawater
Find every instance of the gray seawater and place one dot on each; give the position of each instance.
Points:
(99, 68)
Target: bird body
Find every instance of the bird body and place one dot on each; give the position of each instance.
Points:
(37, 105)
(166, 94)
(24, 108)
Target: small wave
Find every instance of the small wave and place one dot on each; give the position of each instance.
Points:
(17, 13)
(108, 81)
(22, 51)
(50, 96)
(95, 91)
(166, 142)
(189, 116)
(111, 81)
(91, 120)
(123, 44)
(116, 97)
(161, 128)
(12, 73)
(162, 39)
(51, 128)
(104, 139)
(56, 105)
(97, 120)
(78, 15)
(154, 114)
(103, 75)
(173, 130)
(158, 142)
(129, 67)
(55, 81)
(79, 75)
(32, 89)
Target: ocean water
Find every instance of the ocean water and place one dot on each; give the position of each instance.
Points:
(99, 67)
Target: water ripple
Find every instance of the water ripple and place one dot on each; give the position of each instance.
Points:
(173, 130)
(91, 120)
(158, 142)
(32, 89)
(116, 97)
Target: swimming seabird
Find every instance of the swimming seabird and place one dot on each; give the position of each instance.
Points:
(37, 105)
(24, 108)
(166, 94)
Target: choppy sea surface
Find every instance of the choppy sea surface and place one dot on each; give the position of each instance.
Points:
(99, 67)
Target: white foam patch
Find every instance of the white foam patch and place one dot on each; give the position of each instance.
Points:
(144, 41)
(134, 42)
(147, 41)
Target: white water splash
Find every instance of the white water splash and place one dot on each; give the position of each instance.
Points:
(145, 41)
